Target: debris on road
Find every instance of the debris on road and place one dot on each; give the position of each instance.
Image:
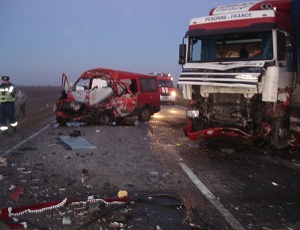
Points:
(275, 184)
(16, 193)
(104, 212)
(75, 143)
(122, 193)
(3, 161)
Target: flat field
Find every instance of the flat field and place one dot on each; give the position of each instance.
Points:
(39, 112)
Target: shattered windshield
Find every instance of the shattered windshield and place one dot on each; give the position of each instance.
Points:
(81, 84)
(240, 46)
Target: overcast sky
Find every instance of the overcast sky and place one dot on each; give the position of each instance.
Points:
(41, 39)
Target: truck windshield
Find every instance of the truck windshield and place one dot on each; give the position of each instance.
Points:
(238, 46)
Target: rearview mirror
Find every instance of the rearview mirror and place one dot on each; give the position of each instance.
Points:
(182, 54)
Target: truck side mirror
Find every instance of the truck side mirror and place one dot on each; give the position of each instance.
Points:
(182, 52)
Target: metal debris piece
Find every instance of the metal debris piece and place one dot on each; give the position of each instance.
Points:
(115, 225)
(75, 124)
(121, 215)
(16, 194)
(27, 148)
(75, 133)
(275, 184)
(122, 193)
(66, 220)
(94, 207)
(228, 151)
(77, 143)
(3, 161)
(12, 187)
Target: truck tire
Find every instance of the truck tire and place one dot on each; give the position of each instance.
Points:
(145, 114)
(280, 133)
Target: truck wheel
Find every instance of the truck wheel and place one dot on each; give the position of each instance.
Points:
(61, 120)
(145, 114)
(280, 133)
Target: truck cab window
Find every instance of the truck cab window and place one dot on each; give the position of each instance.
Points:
(195, 50)
(281, 44)
(238, 46)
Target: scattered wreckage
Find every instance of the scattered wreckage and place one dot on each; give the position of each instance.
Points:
(105, 96)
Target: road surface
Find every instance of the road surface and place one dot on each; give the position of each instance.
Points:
(222, 184)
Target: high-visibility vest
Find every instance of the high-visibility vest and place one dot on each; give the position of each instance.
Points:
(7, 93)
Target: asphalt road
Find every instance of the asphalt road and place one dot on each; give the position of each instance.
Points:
(251, 186)
(222, 184)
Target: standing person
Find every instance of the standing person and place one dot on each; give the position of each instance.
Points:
(7, 105)
(20, 102)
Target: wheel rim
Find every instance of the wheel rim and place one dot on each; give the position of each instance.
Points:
(145, 114)
(104, 119)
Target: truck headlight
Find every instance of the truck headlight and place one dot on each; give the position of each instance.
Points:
(192, 113)
(247, 76)
(173, 93)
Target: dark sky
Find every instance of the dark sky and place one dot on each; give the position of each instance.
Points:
(41, 39)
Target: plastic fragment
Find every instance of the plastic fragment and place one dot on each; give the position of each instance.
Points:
(16, 194)
(3, 161)
(66, 220)
(122, 193)
(275, 184)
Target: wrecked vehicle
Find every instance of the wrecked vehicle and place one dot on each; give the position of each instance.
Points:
(105, 96)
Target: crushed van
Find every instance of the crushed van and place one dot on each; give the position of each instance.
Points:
(104, 96)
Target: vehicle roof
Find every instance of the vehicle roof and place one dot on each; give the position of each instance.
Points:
(265, 15)
(111, 73)
(280, 5)
(239, 22)
(164, 78)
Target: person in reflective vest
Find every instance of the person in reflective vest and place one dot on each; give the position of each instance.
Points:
(7, 105)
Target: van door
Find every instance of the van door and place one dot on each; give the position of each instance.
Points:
(148, 98)
(149, 93)
(65, 83)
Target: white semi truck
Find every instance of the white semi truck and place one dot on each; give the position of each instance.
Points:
(240, 72)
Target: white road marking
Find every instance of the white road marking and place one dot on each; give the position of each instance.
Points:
(234, 223)
(24, 141)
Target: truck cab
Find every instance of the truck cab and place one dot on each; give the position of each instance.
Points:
(238, 72)
(166, 87)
